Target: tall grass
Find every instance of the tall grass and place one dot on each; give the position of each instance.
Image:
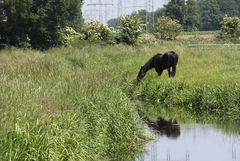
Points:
(65, 104)
(80, 103)
(207, 84)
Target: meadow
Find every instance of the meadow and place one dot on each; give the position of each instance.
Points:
(81, 103)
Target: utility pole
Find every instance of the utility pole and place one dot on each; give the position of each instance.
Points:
(135, 8)
(89, 13)
(149, 14)
(119, 11)
(99, 4)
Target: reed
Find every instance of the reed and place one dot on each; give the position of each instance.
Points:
(80, 103)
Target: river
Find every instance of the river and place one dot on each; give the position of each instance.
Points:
(190, 142)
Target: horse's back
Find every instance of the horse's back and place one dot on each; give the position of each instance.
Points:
(166, 60)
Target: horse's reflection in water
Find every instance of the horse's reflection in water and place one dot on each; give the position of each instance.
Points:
(169, 128)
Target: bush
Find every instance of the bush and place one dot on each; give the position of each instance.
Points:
(68, 35)
(230, 28)
(147, 39)
(96, 31)
(130, 29)
(167, 29)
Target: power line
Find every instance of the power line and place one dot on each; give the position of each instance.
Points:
(149, 14)
(119, 9)
(108, 9)
(102, 7)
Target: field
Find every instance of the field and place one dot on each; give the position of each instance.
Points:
(81, 103)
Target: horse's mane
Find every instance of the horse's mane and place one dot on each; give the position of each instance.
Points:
(149, 64)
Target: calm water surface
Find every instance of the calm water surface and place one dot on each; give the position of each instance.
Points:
(191, 142)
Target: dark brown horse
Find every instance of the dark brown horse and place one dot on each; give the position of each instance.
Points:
(160, 62)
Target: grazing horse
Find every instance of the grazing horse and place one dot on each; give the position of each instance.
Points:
(160, 62)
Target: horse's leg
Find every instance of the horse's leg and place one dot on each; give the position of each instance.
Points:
(159, 72)
(169, 72)
(173, 70)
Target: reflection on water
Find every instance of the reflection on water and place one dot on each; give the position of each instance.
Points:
(192, 142)
(169, 128)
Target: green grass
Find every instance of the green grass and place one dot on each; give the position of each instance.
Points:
(200, 32)
(207, 84)
(66, 104)
(80, 103)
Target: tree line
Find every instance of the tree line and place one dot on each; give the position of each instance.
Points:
(193, 15)
(37, 23)
(201, 14)
(41, 24)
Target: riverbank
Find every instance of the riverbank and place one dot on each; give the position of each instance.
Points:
(80, 103)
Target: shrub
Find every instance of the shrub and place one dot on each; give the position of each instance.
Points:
(230, 28)
(96, 31)
(147, 38)
(130, 29)
(68, 35)
(166, 28)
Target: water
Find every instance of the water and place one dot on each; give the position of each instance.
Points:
(190, 142)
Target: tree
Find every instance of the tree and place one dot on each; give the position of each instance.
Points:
(228, 8)
(175, 9)
(15, 27)
(192, 17)
(114, 22)
(160, 13)
(2, 12)
(210, 15)
(238, 5)
(52, 16)
(38, 22)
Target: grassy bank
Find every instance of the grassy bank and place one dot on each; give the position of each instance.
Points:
(207, 84)
(66, 104)
(80, 103)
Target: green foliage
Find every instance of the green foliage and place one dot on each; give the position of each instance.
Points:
(130, 29)
(210, 14)
(238, 5)
(68, 36)
(230, 28)
(221, 100)
(147, 39)
(67, 105)
(228, 8)
(201, 14)
(96, 31)
(14, 27)
(166, 28)
(80, 103)
(192, 18)
(37, 22)
(206, 84)
(175, 9)
(114, 22)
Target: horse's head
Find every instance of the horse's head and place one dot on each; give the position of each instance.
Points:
(142, 72)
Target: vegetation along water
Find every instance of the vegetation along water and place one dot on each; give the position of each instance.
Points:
(68, 88)
(81, 103)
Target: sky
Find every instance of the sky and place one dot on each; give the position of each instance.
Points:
(103, 10)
